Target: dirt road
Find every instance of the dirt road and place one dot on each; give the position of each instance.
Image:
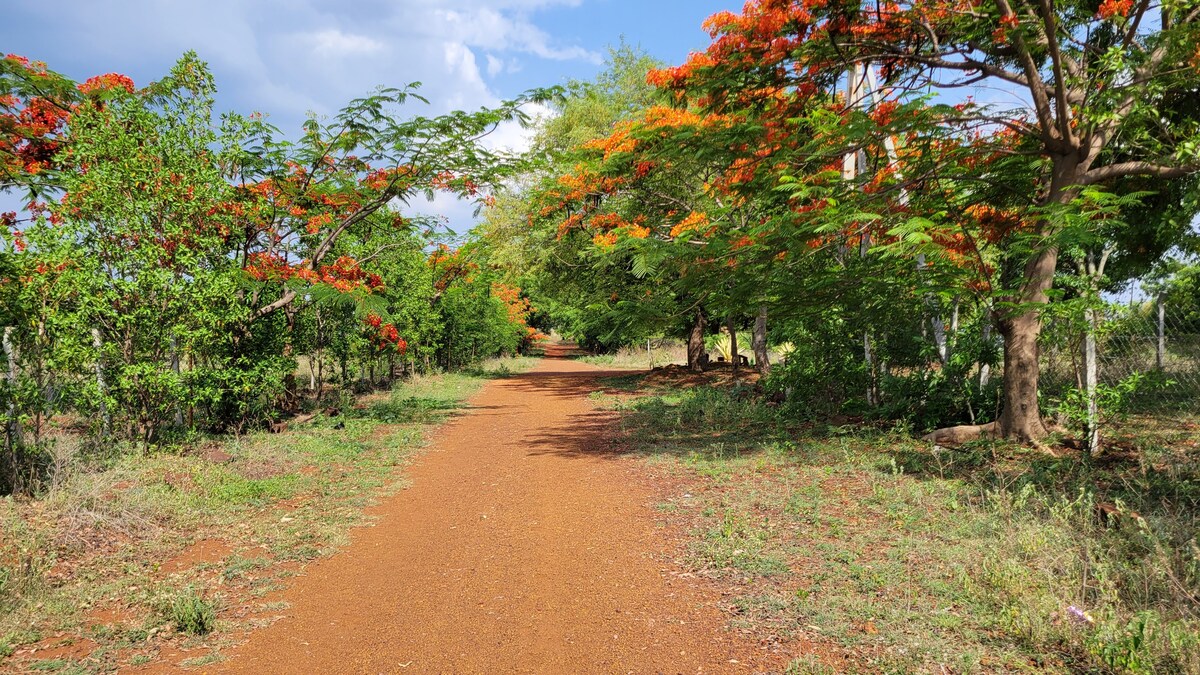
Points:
(524, 545)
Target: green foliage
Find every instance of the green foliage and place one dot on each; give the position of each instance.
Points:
(1112, 400)
(186, 261)
(985, 554)
(190, 612)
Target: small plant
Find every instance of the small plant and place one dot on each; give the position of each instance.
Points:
(191, 613)
(1112, 401)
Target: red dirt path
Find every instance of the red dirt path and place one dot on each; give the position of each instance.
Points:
(526, 544)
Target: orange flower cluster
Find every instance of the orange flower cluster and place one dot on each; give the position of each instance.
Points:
(638, 232)
(382, 178)
(344, 275)
(451, 265)
(518, 309)
(607, 221)
(693, 221)
(269, 267)
(105, 82)
(29, 135)
(619, 141)
(753, 37)
(993, 223)
(1110, 8)
(605, 239)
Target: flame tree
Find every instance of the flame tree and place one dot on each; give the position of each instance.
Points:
(1110, 88)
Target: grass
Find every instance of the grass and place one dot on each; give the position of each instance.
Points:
(637, 358)
(190, 612)
(123, 537)
(896, 558)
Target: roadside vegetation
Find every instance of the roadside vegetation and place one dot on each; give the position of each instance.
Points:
(875, 552)
(137, 555)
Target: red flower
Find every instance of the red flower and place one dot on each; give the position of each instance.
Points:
(105, 82)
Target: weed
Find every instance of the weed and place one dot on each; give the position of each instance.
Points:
(808, 665)
(49, 665)
(206, 660)
(238, 567)
(190, 612)
(737, 544)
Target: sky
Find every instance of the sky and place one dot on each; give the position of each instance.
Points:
(286, 58)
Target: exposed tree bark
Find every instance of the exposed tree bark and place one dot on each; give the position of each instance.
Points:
(695, 348)
(175, 369)
(14, 427)
(105, 419)
(758, 342)
(733, 345)
(1020, 418)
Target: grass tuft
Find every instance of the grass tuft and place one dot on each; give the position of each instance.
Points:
(898, 557)
(190, 612)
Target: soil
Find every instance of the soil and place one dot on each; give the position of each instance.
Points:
(203, 552)
(527, 542)
(714, 375)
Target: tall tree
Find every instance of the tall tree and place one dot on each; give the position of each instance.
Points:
(1112, 92)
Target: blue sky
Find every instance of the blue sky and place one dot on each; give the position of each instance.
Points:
(288, 57)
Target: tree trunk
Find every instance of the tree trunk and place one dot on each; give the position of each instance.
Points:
(758, 343)
(1020, 418)
(1021, 326)
(105, 420)
(14, 426)
(290, 391)
(695, 348)
(872, 367)
(733, 345)
(985, 370)
(176, 370)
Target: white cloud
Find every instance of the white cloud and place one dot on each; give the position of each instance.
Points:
(288, 57)
(494, 66)
(493, 30)
(333, 42)
(512, 137)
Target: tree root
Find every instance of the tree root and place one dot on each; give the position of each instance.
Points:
(955, 436)
(951, 436)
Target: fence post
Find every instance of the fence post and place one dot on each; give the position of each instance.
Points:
(1160, 352)
(1090, 376)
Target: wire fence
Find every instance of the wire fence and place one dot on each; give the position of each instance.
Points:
(1151, 350)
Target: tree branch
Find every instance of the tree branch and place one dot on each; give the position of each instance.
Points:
(1122, 169)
